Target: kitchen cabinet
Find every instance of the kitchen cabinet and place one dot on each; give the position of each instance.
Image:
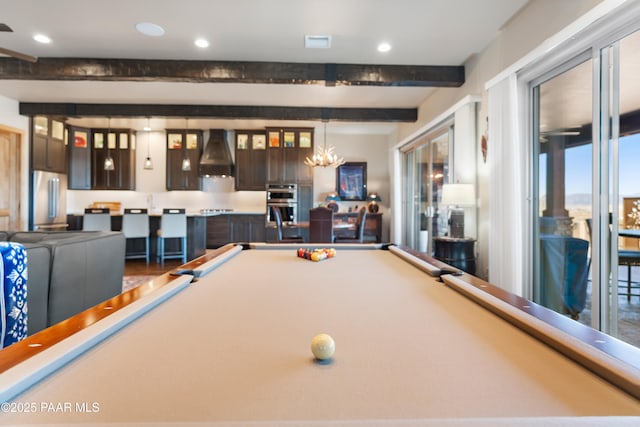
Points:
(48, 144)
(79, 164)
(184, 147)
(251, 160)
(119, 144)
(247, 227)
(287, 149)
(236, 227)
(305, 201)
(217, 231)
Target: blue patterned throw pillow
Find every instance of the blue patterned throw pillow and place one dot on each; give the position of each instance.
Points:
(13, 293)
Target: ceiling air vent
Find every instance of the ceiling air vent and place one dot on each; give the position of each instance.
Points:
(317, 42)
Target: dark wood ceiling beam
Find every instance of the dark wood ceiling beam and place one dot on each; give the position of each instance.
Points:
(221, 112)
(131, 70)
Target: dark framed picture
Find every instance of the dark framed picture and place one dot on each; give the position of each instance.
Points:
(351, 181)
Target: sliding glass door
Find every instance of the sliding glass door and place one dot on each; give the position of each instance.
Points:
(426, 169)
(586, 137)
(564, 147)
(621, 312)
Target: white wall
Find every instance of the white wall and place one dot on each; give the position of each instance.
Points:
(10, 118)
(372, 149)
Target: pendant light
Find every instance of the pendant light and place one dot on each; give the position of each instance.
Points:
(109, 164)
(324, 156)
(148, 164)
(186, 163)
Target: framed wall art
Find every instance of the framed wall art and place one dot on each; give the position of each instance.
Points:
(351, 181)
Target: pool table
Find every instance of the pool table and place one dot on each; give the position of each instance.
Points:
(225, 340)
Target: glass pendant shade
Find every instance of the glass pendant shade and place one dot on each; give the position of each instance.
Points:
(148, 164)
(109, 165)
(186, 164)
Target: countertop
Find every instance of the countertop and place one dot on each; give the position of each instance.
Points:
(189, 213)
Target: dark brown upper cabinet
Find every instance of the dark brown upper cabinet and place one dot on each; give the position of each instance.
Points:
(48, 148)
(251, 160)
(287, 149)
(184, 147)
(79, 164)
(119, 144)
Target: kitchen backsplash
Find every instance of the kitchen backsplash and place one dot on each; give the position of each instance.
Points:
(215, 195)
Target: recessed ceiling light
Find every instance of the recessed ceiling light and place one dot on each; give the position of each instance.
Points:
(41, 38)
(150, 29)
(201, 43)
(384, 47)
(317, 42)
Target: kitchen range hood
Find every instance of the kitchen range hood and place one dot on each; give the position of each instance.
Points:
(216, 157)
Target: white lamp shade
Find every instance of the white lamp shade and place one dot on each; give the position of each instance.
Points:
(458, 194)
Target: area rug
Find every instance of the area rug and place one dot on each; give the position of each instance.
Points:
(130, 282)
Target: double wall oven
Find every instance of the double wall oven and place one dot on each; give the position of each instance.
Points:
(284, 198)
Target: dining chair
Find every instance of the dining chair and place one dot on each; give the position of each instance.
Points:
(358, 232)
(321, 225)
(281, 235)
(96, 219)
(564, 272)
(627, 257)
(173, 225)
(135, 225)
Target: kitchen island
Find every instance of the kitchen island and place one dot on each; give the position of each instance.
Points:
(196, 233)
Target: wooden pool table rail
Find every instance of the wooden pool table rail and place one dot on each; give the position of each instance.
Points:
(40, 341)
(612, 359)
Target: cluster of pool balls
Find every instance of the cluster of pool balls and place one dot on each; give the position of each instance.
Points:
(316, 254)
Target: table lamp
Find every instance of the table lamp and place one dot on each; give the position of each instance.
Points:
(457, 195)
(332, 199)
(373, 199)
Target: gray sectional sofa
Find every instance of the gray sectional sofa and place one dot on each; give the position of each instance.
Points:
(68, 272)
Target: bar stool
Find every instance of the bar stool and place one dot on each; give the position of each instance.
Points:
(173, 225)
(96, 219)
(135, 225)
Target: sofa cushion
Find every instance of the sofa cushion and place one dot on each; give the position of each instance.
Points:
(47, 236)
(90, 269)
(85, 268)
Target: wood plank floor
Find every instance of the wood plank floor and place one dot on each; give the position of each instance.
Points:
(139, 267)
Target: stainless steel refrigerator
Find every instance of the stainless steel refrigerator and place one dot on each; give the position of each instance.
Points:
(49, 202)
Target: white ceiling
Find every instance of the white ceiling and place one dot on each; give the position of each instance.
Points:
(421, 32)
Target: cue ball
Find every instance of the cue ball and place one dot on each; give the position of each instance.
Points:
(322, 346)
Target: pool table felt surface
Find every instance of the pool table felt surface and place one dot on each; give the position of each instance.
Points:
(235, 346)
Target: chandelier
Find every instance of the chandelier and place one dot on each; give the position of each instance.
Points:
(324, 156)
